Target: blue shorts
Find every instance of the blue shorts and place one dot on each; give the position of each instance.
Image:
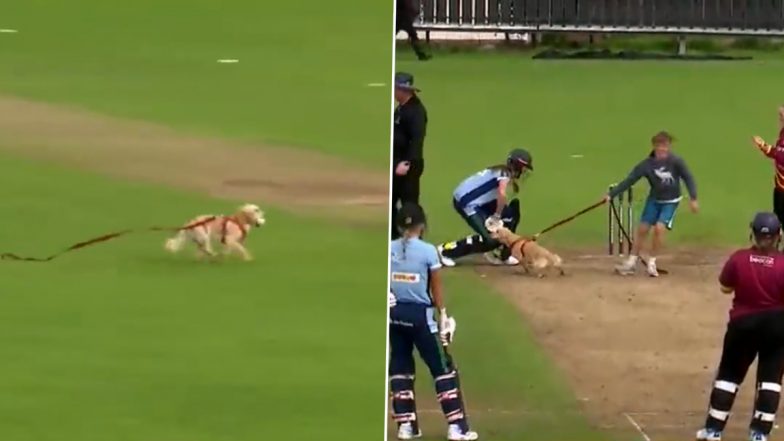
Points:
(659, 212)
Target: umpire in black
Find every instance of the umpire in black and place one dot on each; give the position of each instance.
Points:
(406, 11)
(408, 162)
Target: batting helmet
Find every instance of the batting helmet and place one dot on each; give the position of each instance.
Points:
(520, 159)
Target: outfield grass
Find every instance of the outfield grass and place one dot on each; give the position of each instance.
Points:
(301, 79)
(482, 104)
(120, 342)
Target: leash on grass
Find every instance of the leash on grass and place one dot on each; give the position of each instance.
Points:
(628, 238)
(103, 238)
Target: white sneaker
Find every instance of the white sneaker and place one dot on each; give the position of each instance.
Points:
(708, 435)
(455, 434)
(445, 260)
(756, 436)
(494, 258)
(651, 268)
(628, 267)
(406, 431)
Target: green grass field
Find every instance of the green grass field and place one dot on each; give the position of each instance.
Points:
(123, 342)
(484, 104)
(481, 104)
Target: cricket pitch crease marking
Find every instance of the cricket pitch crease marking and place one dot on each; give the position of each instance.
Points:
(637, 426)
(8, 31)
(629, 416)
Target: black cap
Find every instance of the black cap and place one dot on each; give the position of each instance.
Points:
(405, 81)
(410, 215)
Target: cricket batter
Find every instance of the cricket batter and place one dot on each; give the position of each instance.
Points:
(755, 330)
(664, 171)
(483, 196)
(776, 153)
(416, 296)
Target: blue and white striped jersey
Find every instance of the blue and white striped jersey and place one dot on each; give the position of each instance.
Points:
(479, 189)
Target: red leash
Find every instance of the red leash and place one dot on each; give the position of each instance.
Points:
(570, 218)
(103, 238)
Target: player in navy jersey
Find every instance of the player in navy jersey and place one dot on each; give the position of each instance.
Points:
(418, 318)
(755, 330)
(483, 196)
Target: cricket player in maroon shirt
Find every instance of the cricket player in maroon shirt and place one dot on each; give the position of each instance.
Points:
(776, 153)
(755, 330)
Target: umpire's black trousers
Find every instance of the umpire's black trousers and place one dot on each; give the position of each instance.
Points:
(405, 189)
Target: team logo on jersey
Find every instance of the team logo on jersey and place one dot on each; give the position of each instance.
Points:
(664, 175)
(762, 260)
(405, 277)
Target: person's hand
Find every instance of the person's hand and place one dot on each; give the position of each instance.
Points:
(606, 198)
(759, 142)
(493, 223)
(446, 330)
(392, 300)
(694, 205)
(402, 168)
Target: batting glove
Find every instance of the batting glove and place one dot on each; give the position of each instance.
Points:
(392, 300)
(448, 333)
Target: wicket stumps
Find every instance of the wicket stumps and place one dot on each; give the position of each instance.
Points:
(626, 217)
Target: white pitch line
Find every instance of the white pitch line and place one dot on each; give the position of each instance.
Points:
(376, 84)
(228, 60)
(8, 31)
(637, 426)
(576, 156)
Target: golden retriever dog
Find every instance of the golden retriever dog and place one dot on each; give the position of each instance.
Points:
(533, 257)
(229, 231)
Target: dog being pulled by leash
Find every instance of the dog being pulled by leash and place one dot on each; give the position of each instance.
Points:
(534, 258)
(229, 231)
